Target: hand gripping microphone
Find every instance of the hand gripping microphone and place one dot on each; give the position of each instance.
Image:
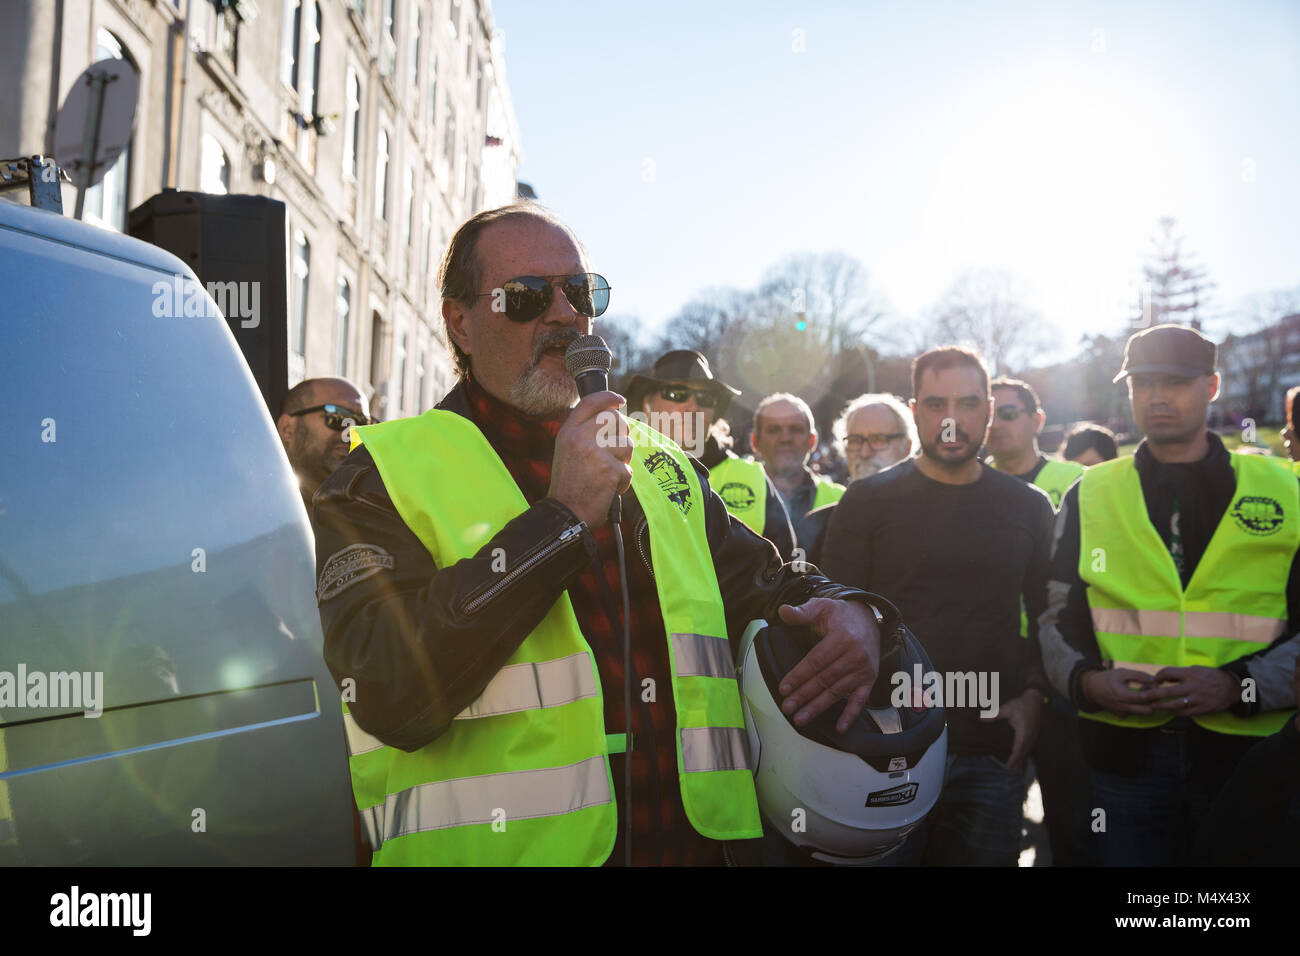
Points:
(588, 359)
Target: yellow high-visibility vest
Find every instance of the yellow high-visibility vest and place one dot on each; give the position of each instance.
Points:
(742, 486)
(522, 775)
(1234, 605)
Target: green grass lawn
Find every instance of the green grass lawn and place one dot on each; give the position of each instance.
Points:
(1270, 438)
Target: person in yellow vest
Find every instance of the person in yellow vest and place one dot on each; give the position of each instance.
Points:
(682, 399)
(1173, 614)
(468, 584)
(783, 437)
(1013, 440)
(1059, 766)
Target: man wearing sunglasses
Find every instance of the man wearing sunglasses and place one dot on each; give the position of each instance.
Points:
(314, 428)
(469, 592)
(682, 399)
(1058, 760)
(1013, 440)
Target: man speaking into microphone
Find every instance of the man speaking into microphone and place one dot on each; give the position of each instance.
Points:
(470, 593)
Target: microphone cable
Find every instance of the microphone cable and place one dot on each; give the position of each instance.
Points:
(615, 515)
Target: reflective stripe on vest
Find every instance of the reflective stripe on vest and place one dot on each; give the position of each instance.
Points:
(1056, 477)
(742, 486)
(521, 776)
(827, 492)
(1234, 605)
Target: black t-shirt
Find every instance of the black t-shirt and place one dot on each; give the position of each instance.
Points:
(956, 560)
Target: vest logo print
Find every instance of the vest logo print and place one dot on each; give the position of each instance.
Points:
(894, 796)
(354, 563)
(671, 478)
(736, 496)
(1257, 515)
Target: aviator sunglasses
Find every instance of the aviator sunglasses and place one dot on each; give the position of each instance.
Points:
(677, 394)
(527, 297)
(336, 416)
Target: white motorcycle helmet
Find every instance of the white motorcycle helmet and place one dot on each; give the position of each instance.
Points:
(848, 798)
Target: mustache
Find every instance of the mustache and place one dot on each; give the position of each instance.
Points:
(959, 435)
(561, 338)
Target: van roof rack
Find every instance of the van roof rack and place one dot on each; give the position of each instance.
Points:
(40, 175)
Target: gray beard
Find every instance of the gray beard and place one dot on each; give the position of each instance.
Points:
(537, 394)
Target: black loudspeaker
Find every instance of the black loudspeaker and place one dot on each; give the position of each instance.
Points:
(232, 239)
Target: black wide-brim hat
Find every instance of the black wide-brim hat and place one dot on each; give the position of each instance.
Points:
(680, 365)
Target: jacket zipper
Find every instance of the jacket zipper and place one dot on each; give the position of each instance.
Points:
(644, 525)
(532, 560)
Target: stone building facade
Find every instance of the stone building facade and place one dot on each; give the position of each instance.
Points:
(381, 124)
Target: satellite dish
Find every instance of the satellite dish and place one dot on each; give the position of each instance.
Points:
(96, 121)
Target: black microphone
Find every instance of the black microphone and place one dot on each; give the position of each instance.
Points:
(588, 359)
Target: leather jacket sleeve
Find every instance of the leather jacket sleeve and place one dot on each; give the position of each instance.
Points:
(421, 642)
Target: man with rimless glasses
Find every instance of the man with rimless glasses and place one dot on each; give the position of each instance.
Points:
(314, 427)
(470, 595)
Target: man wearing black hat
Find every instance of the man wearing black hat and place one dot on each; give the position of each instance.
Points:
(1173, 607)
(682, 398)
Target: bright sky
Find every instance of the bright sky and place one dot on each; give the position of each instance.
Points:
(694, 144)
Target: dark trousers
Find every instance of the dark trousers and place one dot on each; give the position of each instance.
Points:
(1065, 784)
(1153, 813)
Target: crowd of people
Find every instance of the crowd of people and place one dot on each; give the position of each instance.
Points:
(1140, 616)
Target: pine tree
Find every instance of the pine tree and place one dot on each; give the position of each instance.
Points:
(1176, 289)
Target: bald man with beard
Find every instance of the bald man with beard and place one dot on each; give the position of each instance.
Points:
(313, 426)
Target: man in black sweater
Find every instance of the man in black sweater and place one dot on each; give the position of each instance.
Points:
(957, 545)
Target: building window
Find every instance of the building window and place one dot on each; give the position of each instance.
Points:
(301, 270)
(106, 200)
(214, 170)
(449, 135)
(408, 223)
(426, 230)
(381, 177)
(343, 313)
(290, 41)
(433, 86)
(453, 16)
(352, 129)
(415, 52)
(419, 381)
(226, 41)
(399, 366)
(311, 75)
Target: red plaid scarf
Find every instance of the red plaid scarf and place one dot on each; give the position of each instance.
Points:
(661, 833)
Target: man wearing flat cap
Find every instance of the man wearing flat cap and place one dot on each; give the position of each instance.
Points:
(1173, 607)
(682, 398)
